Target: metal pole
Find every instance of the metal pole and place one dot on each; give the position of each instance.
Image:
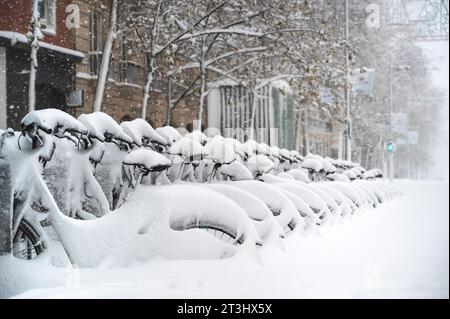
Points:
(391, 107)
(348, 139)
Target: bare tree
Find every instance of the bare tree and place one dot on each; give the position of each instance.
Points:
(106, 56)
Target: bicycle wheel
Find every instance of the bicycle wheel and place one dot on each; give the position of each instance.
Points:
(27, 243)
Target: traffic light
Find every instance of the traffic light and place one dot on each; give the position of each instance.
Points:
(390, 147)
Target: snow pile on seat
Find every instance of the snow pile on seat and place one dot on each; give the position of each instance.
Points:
(139, 130)
(237, 146)
(264, 149)
(285, 154)
(197, 136)
(53, 119)
(275, 152)
(169, 133)
(220, 152)
(312, 164)
(250, 147)
(259, 164)
(236, 171)
(328, 167)
(188, 148)
(296, 155)
(151, 160)
(350, 174)
(101, 125)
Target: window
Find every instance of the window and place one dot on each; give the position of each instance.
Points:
(47, 16)
(95, 55)
(130, 71)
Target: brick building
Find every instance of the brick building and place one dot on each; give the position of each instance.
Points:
(69, 61)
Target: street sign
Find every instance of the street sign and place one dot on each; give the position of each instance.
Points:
(326, 96)
(399, 122)
(413, 137)
(362, 82)
(401, 141)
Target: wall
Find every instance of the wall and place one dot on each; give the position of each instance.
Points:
(16, 15)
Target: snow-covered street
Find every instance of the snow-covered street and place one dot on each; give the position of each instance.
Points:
(399, 250)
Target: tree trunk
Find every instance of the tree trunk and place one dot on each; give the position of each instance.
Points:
(198, 122)
(106, 57)
(169, 101)
(147, 87)
(35, 26)
(298, 129)
(253, 118)
(307, 149)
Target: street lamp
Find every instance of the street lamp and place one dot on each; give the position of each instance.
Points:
(391, 146)
(348, 137)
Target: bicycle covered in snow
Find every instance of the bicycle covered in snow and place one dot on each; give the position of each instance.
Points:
(108, 193)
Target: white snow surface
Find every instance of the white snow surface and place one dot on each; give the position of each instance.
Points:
(399, 250)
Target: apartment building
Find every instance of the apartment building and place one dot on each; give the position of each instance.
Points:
(69, 60)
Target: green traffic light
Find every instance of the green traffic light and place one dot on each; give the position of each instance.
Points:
(390, 147)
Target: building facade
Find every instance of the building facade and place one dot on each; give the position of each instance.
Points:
(69, 58)
(56, 57)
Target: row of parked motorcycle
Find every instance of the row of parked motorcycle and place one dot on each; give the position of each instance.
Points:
(61, 174)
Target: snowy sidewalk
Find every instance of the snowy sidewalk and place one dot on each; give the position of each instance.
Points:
(399, 250)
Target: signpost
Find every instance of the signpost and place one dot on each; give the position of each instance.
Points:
(399, 122)
(413, 137)
(362, 82)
